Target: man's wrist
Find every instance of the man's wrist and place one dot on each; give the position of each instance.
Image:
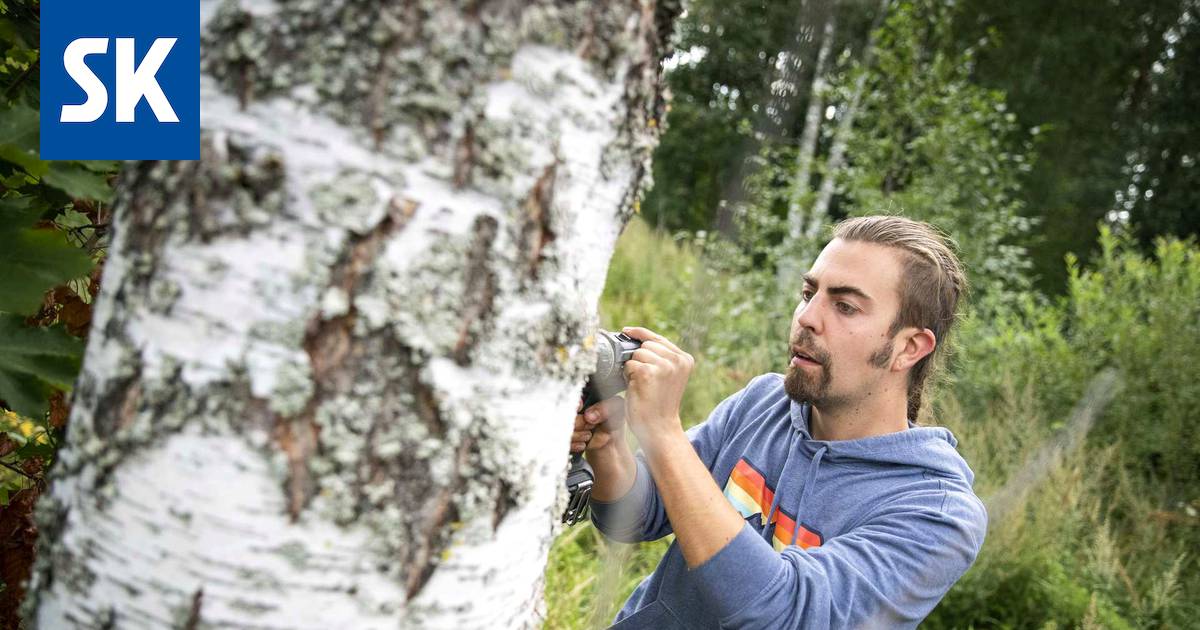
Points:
(615, 469)
(659, 442)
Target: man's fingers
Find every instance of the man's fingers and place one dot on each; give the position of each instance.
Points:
(645, 334)
(614, 408)
(658, 348)
(649, 356)
(610, 409)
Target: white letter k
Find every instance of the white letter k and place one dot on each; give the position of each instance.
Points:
(134, 83)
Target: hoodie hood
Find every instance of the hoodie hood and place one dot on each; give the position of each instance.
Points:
(932, 448)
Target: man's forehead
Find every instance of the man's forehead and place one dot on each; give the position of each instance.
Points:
(872, 268)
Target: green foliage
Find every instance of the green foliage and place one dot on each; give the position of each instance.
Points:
(732, 50)
(34, 259)
(34, 361)
(1143, 315)
(1084, 74)
(1108, 534)
(589, 577)
(731, 92)
(929, 144)
(46, 241)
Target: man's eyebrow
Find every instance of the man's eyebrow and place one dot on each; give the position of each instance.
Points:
(838, 290)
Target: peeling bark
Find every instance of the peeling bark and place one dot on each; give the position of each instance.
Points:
(331, 374)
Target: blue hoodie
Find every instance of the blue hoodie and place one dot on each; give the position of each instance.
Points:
(867, 533)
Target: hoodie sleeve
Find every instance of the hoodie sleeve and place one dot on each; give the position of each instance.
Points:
(640, 515)
(888, 572)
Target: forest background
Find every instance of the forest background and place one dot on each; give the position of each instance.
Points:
(1054, 142)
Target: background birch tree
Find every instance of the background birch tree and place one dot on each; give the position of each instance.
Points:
(332, 369)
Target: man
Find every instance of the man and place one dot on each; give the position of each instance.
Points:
(809, 500)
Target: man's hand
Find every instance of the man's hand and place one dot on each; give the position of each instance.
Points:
(599, 426)
(657, 374)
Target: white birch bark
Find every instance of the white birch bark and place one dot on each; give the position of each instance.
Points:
(334, 363)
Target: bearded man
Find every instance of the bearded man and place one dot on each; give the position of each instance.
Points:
(811, 499)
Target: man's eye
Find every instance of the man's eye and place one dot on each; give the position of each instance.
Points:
(845, 308)
(806, 295)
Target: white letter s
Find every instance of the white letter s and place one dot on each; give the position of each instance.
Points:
(97, 94)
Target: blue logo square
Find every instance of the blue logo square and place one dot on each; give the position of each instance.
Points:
(120, 80)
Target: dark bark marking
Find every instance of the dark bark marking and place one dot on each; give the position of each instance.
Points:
(384, 72)
(423, 558)
(127, 413)
(193, 619)
(117, 406)
(331, 348)
(505, 500)
(536, 232)
(464, 156)
(480, 289)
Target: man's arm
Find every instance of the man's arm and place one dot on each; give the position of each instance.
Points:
(702, 518)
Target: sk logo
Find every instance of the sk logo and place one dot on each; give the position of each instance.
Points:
(120, 80)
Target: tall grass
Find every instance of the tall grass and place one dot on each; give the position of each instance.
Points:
(1104, 536)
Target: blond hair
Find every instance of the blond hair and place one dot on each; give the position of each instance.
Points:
(931, 283)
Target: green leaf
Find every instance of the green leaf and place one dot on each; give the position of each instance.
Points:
(34, 261)
(24, 394)
(20, 212)
(55, 370)
(32, 361)
(17, 338)
(33, 449)
(19, 139)
(78, 181)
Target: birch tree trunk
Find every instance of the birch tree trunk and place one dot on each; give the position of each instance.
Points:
(819, 214)
(789, 268)
(332, 371)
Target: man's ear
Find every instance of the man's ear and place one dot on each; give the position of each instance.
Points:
(917, 344)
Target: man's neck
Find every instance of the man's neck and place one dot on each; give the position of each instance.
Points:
(881, 412)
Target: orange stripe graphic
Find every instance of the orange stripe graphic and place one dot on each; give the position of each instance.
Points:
(746, 487)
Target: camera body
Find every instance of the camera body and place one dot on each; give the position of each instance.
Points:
(606, 381)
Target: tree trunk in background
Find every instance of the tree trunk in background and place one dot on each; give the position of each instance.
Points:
(801, 187)
(789, 266)
(819, 216)
(776, 116)
(331, 374)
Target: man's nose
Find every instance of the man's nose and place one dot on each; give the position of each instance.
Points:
(808, 315)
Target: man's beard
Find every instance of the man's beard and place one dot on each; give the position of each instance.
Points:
(802, 386)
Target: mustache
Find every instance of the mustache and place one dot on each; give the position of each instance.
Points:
(805, 342)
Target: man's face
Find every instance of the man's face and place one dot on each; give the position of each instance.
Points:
(840, 348)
